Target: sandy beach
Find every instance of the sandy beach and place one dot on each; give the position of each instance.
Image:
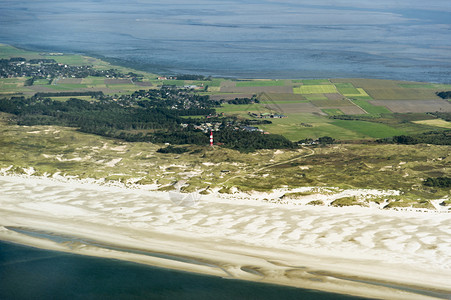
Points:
(360, 251)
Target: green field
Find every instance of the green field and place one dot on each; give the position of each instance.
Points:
(92, 81)
(370, 108)
(315, 89)
(347, 89)
(241, 109)
(12, 85)
(332, 111)
(260, 83)
(67, 86)
(368, 129)
(87, 98)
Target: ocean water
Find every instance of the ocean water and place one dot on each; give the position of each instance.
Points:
(404, 39)
(31, 273)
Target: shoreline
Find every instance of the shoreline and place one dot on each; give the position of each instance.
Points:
(153, 68)
(358, 251)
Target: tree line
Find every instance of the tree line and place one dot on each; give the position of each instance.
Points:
(146, 123)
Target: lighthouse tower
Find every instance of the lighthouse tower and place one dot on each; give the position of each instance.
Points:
(211, 138)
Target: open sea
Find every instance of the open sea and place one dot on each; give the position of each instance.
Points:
(30, 273)
(403, 39)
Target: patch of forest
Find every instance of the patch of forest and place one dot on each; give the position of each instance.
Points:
(156, 118)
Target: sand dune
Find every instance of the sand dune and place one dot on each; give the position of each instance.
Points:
(345, 250)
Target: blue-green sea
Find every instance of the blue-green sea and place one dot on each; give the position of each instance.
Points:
(30, 273)
(403, 39)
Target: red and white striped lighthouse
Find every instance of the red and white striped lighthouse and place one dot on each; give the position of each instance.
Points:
(211, 138)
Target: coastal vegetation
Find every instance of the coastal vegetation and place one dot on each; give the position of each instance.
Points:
(268, 134)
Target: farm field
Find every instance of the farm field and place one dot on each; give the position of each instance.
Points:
(371, 108)
(282, 97)
(435, 122)
(260, 83)
(12, 85)
(315, 89)
(414, 106)
(347, 89)
(332, 111)
(317, 100)
(368, 129)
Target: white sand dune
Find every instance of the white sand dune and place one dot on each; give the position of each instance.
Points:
(336, 249)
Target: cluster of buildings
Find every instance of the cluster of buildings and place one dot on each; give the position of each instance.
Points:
(266, 116)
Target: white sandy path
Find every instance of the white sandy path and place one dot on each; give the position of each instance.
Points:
(405, 247)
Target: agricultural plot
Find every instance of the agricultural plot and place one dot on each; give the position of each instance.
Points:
(401, 93)
(67, 86)
(414, 106)
(74, 60)
(143, 83)
(351, 110)
(229, 96)
(39, 88)
(117, 81)
(62, 99)
(369, 83)
(332, 111)
(69, 81)
(332, 103)
(92, 81)
(213, 89)
(257, 89)
(436, 123)
(293, 108)
(371, 108)
(315, 89)
(294, 127)
(368, 129)
(347, 88)
(41, 82)
(231, 109)
(284, 97)
(7, 52)
(362, 95)
(123, 88)
(12, 85)
(255, 83)
(334, 96)
(315, 97)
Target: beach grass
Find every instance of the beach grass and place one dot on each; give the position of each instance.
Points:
(51, 149)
